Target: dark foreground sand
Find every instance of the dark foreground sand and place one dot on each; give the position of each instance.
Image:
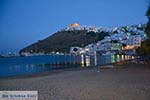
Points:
(129, 83)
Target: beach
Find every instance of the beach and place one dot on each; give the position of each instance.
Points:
(132, 82)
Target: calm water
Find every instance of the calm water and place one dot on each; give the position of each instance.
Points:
(34, 64)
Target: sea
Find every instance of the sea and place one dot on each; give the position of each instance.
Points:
(12, 66)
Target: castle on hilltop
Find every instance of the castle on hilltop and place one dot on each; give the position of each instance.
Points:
(74, 25)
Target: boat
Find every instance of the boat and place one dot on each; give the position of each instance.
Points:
(108, 53)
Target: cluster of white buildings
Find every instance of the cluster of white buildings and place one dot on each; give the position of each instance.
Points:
(120, 40)
(76, 26)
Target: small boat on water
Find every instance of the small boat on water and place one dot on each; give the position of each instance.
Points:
(108, 53)
(106, 66)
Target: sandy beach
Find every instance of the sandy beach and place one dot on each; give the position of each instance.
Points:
(129, 83)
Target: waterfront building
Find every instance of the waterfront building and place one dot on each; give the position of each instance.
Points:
(75, 50)
(131, 36)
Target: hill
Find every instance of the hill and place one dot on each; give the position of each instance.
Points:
(62, 41)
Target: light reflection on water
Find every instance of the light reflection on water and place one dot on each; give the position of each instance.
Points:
(122, 58)
(109, 59)
(87, 61)
(28, 65)
(118, 57)
(95, 58)
(112, 58)
(82, 60)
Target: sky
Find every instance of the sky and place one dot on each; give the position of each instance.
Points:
(23, 22)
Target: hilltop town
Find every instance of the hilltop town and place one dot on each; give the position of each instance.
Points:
(77, 39)
(120, 39)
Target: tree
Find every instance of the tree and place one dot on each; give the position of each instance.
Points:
(144, 50)
(147, 29)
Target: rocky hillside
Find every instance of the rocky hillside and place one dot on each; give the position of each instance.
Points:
(63, 40)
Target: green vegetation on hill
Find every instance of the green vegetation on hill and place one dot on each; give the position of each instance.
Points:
(62, 41)
(144, 50)
(147, 30)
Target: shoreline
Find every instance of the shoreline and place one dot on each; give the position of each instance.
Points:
(130, 82)
(59, 71)
(47, 73)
